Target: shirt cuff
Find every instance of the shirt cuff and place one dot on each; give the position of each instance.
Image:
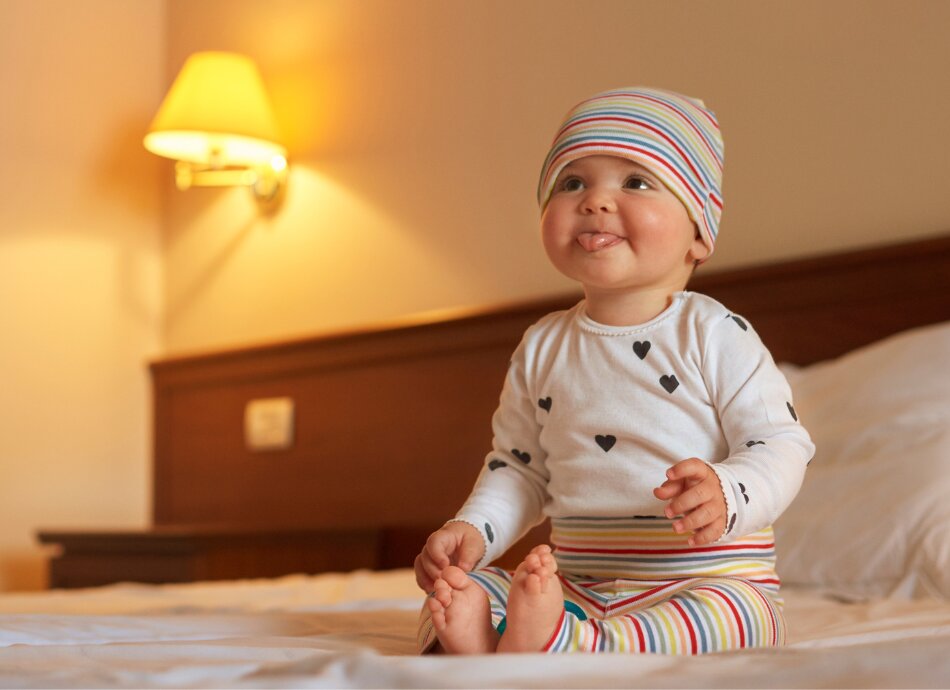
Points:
(727, 493)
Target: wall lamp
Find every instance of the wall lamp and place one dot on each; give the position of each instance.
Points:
(216, 123)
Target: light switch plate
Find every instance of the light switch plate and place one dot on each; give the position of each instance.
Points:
(269, 424)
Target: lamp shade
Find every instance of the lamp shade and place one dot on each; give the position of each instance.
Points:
(216, 113)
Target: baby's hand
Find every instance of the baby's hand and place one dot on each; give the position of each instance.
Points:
(456, 543)
(696, 494)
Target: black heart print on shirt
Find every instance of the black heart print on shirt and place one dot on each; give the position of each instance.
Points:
(792, 410)
(641, 348)
(521, 455)
(605, 442)
(669, 383)
(545, 403)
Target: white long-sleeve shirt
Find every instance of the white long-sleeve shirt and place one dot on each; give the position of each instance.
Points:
(592, 416)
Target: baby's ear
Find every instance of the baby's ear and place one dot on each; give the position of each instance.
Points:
(698, 251)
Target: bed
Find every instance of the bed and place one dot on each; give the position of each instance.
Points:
(383, 413)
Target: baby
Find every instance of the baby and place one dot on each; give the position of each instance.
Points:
(648, 422)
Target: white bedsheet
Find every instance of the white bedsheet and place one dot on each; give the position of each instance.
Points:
(357, 630)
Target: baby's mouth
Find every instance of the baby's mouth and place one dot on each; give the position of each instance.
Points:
(595, 241)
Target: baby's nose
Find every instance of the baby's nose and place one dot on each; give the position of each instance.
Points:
(598, 201)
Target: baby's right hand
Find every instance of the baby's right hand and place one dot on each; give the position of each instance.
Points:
(456, 543)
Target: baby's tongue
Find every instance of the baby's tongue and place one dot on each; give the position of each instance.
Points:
(593, 241)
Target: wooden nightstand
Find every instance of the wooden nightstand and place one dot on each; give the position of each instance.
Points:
(88, 558)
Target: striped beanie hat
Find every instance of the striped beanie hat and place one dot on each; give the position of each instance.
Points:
(675, 137)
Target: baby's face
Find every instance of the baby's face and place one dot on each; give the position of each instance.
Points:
(611, 224)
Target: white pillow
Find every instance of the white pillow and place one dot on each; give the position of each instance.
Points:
(873, 514)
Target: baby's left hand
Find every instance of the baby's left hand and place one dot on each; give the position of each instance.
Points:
(696, 494)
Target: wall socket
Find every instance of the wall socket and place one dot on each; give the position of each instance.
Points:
(269, 424)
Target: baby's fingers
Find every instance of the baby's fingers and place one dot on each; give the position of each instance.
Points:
(696, 519)
(439, 548)
(669, 489)
(691, 468)
(709, 533)
(692, 498)
(426, 573)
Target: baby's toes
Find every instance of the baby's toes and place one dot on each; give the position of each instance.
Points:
(438, 617)
(533, 584)
(455, 577)
(434, 605)
(541, 550)
(442, 593)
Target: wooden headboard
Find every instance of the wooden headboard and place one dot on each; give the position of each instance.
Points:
(393, 423)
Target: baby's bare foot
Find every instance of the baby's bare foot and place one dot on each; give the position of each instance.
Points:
(535, 603)
(461, 615)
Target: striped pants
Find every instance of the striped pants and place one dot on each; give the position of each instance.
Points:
(634, 585)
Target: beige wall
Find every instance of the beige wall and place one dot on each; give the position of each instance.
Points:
(417, 130)
(79, 268)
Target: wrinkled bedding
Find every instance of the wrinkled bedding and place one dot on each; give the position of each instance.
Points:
(358, 630)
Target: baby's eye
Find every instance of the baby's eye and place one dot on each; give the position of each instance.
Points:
(635, 182)
(571, 184)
